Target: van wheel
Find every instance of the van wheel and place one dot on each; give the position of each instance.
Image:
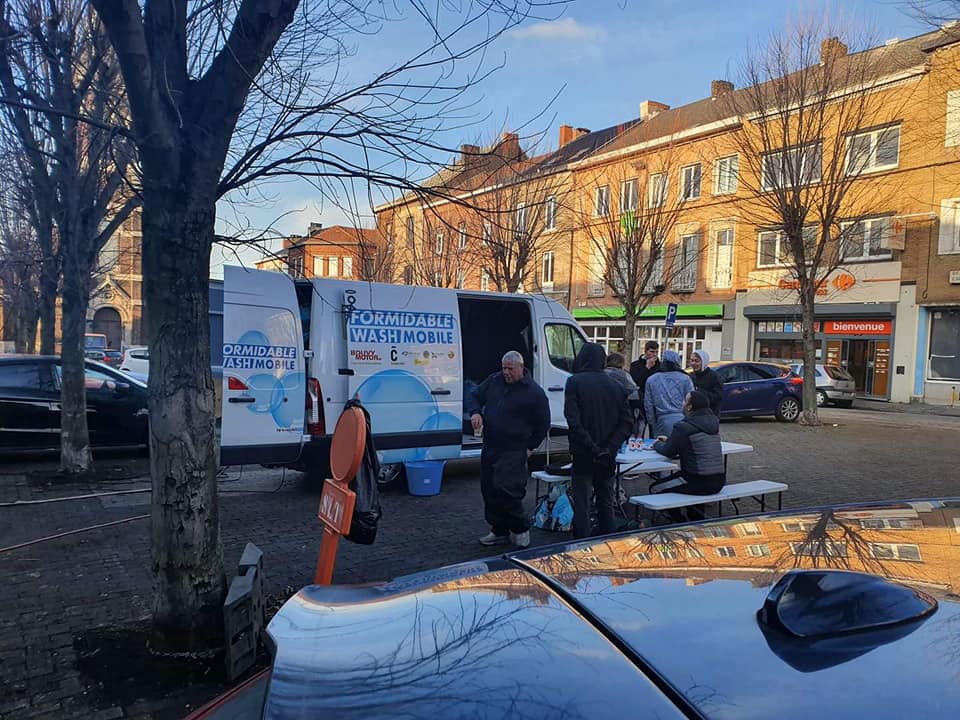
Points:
(788, 410)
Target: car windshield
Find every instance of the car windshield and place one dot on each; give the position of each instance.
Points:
(838, 373)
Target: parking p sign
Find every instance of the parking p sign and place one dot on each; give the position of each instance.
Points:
(671, 315)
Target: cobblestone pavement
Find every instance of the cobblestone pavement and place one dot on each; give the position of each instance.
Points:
(53, 590)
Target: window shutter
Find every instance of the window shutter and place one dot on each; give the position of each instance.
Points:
(953, 119)
(948, 226)
(711, 259)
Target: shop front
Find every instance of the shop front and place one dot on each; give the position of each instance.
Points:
(698, 326)
(938, 349)
(858, 338)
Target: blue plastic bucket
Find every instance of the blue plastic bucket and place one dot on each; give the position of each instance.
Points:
(423, 477)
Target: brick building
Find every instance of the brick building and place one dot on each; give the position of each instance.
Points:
(889, 312)
(335, 252)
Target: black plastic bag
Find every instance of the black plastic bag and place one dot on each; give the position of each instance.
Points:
(366, 511)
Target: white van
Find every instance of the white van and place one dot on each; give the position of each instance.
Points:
(294, 352)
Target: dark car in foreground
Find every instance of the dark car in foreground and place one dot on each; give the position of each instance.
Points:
(30, 405)
(841, 612)
(759, 388)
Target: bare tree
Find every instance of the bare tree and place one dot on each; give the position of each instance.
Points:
(20, 264)
(56, 60)
(805, 101)
(630, 218)
(222, 96)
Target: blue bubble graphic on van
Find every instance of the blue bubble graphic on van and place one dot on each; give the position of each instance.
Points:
(397, 400)
(253, 337)
(267, 393)
(286, 413)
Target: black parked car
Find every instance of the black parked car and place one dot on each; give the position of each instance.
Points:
(30, 405)
(759, 388)
(837, 612)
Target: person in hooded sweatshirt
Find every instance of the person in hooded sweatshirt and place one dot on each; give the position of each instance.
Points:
(599, 420)
(706, 380)
(696, 441)
(665, 394)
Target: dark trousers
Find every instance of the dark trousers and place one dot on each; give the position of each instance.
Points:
(599, 480)
(503, 482)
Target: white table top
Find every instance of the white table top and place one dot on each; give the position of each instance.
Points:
(646, 456)
(560, 424)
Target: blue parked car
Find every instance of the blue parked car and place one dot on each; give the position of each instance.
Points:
(759, 388)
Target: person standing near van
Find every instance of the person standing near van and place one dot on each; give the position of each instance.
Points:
(599, 420)
(512, 413)
(665, 395)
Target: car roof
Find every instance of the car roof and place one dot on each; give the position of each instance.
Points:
(566, 623)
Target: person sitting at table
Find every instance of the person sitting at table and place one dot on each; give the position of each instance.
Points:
(696, 441)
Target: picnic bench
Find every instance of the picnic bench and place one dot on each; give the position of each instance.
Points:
(756, 489)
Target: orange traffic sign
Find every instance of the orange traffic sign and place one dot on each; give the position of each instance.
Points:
(336, 506)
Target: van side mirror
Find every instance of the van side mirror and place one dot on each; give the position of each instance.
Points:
(121, 389)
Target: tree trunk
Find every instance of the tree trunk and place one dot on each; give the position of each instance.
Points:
(629, 333)
(187, 555)
(808, 296)
(75, 458)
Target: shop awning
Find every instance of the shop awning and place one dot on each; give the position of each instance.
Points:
(824, 310)
(615, 312)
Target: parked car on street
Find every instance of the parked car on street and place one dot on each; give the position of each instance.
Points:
(30, 405)
(834, 385)
(136, 360)
(845, 612)
(759, 388)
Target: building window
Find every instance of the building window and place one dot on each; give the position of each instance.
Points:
(546, 271)
(296, 266)
(758, 550)
(717, 531)
(774, 250)
(408, 275)
(819, 548)
(462, 236)
(694, 553)
(952, 138)
(685, 273)
(410, 232)
(628, 196)
(438, 246)
(348, 267)
(487, 232)
(601, 206)
(520, 221)
(461, 278)
(873, 151)
(949, 237)
(895, 551)
(727, 551)
(641, 556)
(654, 282)
(333, 269)
(723, 258)
(865, 239)
(437, 279)
(691, 181)
(883, 523)
(550, 213)
(485, 281)
(318, 267)
(802, 164)
(748, 529)
(596, 283)
(944, 359)
(657, 190)
(725, 171)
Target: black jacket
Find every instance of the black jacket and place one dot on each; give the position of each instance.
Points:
(696, 441)
(516, 416)
(596, 409)
(640, 372)
(708, 382)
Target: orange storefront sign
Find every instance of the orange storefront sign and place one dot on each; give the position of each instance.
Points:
(857, 327)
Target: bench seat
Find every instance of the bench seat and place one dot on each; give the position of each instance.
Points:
(734, 491)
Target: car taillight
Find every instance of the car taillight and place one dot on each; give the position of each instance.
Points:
(234, 383)
(796, 381)
(316, 422)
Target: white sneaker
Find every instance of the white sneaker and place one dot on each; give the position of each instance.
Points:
(521, 540)
(491, 539)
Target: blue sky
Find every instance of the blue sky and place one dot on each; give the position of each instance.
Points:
(589, 67)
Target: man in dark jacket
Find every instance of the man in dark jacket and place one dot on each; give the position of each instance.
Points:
(706, 380)
(696, 441)
(599, 420)
(512, 413)
(646, 365)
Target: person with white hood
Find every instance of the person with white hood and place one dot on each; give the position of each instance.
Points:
(706, 380)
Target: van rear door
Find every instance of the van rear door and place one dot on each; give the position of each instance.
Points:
(264, 379)
(562, 341)
(404, 361)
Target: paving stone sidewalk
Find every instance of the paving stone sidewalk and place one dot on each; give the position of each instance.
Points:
(53, 591)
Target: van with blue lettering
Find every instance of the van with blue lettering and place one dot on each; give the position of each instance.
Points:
(295, 351)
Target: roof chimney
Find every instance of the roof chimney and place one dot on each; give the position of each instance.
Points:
(831, 49)
(720, 87)
(649, 108)
(314, 228)
(509, 146)
(468, 153)
(569, 133)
